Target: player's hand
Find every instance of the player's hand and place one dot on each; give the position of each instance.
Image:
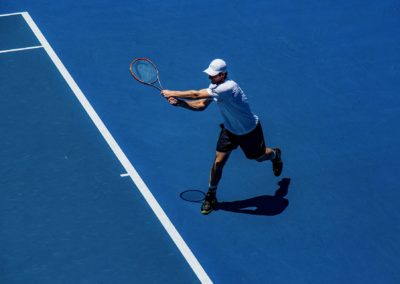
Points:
(166, 93)
(173, 101)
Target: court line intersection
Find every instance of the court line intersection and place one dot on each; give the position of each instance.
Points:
(130, 170)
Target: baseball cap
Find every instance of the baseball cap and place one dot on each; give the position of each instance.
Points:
(216, 66)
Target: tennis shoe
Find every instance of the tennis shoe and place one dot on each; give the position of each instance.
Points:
(210, 202)
(277, 164)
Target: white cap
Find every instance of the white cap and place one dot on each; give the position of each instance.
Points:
(216, 66)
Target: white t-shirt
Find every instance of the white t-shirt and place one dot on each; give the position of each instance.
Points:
(232, 102)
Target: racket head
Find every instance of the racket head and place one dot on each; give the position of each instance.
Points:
(145, 72)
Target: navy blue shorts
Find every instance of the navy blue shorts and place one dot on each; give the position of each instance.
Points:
(252, 143)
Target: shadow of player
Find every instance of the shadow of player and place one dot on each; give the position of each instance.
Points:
(266, 205)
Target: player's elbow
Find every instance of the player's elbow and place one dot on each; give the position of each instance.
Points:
(199, 94)
(202, 105)
(198, 107)
(194, 94)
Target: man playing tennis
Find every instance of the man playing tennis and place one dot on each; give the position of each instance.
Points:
(241, 126)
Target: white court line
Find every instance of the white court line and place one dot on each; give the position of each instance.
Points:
(154, 205)
(20, 49)
(12, 14)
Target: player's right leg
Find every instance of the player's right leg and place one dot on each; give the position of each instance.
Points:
(210, 200)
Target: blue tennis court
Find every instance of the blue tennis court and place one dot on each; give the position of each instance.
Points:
(94, 165)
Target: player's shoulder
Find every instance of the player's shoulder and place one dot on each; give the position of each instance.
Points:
(230, 83)
(227, 85)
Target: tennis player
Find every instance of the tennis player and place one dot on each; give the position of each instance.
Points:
(241, 126)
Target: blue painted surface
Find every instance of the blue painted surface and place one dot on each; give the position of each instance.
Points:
(66, 214)
(323, 77)
(15, 33)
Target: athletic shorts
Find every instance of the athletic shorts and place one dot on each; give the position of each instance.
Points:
(252, 143)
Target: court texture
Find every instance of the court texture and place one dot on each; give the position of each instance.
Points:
(100, 177)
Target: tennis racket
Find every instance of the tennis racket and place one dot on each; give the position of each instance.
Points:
(146, 72)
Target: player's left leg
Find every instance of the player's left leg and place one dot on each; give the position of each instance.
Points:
(253, 145)
(275, 156)
(269, 154)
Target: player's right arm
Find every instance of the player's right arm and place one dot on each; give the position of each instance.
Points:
(189, 94)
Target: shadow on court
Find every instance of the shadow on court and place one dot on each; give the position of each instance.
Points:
(266, 205)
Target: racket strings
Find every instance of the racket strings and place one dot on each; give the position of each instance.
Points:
(145, 71)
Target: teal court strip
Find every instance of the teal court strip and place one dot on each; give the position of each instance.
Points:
(118, 152)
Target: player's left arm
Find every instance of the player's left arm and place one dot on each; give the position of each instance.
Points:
(189, 94)
(195, 105)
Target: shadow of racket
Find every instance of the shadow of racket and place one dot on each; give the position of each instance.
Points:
(193, 195)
